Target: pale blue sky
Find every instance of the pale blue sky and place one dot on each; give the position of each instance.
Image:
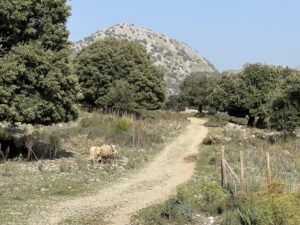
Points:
(229, 33)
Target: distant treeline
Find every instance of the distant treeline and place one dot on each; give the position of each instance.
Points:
(265, 94)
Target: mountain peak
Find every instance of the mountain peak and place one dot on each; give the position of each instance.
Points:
(177, 59)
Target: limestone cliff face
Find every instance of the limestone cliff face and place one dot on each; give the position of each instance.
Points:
(177, 59)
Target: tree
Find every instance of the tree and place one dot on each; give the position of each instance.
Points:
(121, 96)
(228, 95)
(22, 21)
(36, 86)
(174, 103)
(259, 82)
(36, 81)
(103, 64)
(249, 92)
(194, 91)
(285, 114)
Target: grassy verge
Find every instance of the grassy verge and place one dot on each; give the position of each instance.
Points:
(262, 204)
(221, 119)
(26, 186)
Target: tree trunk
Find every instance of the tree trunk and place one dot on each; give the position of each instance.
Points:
(260, 123)
(251, 121)
(200, 109)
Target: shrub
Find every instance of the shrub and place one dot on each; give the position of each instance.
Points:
(123, 125)
(214, 197)
(231, 217)
(279, 210)
(271, 206)
(212, 140)
(177, 209)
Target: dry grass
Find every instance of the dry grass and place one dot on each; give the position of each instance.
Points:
(285, 161)
(25, 186)
(284, 152)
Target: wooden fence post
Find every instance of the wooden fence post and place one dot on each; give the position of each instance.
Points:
(269, 172)
(242, 174)
(223, 169)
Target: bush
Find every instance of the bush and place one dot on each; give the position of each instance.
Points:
(279, 210)
(177, 209)
(212, 140)
(272, 206)
(214, 197)
(231, 218)
(123, 125)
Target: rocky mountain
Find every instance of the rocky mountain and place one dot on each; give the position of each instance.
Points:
(177, 59)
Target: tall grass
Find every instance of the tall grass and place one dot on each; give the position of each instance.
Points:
(126, 131)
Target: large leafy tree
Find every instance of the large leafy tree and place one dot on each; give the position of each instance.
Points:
(194, 91)
(36, 86)
(228, 95)
(102, 65)
(22, 21)
(285, 113)
(249, 92)
(259, 82)
(36, 81)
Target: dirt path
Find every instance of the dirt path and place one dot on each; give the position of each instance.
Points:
(154, 183)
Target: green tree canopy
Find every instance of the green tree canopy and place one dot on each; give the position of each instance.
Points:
(36, 86)
(103, 64)
(36, 81)
(174, 103)
(228, 95)
(22, 21)
(259, 82)
(194, 91)
(285, 114)
(249, 93)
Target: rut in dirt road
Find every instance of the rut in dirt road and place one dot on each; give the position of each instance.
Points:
(154, 183)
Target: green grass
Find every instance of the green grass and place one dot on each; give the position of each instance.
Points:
(221, 119)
